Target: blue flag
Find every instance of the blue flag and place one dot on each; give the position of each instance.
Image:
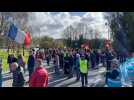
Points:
(12, 32)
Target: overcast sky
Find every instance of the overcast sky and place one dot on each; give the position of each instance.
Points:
(53, 23)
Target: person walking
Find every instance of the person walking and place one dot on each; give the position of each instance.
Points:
(84, 71)
(103, 58)
(39, 77)
(92, 59)
(127, 72)
(66, 64)
(61, 58)
(18, 75)
(48, 58)
(11, 58)
(70, 65)
(31, 63)
(56, 62)
(114, 76)
(77, 66)
(109, 58)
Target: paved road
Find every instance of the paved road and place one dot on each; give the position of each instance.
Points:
(95, 79)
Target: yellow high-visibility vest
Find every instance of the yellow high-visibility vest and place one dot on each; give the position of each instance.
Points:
(83, 66)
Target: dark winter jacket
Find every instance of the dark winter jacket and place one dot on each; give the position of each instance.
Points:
(18, 77)
(31, 62)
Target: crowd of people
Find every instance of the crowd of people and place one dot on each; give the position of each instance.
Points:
(77, 63)
(69, 62)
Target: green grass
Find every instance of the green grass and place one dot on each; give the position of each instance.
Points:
(4, 55)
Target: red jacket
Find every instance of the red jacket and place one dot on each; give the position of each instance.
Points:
(39, 78)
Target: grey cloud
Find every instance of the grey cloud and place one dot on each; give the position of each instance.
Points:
(53, 25)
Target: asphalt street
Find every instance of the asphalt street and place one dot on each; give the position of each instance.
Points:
(95, 78)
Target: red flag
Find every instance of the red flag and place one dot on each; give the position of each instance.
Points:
(27, 41)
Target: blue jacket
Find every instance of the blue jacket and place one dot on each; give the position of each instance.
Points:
(31, 62)
(125, 74)
(78, 62)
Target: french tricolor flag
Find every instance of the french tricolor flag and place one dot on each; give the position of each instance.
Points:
(19, 36)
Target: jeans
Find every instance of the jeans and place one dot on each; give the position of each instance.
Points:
(56, 69)
(61, 64)
(108, 65)
(84, 79)
(66, 68)
(107, 76)
(30, 72)
(77, 73)
(71, 70)
(48, 62)
(93, 64)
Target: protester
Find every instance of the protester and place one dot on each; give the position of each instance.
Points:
(87, 56)
(0, 72)
(127, 72)
(84, 71)
(97, 57)
(37, 54)
(92, 59)
(109, 58)
(48, 57)
(66, 63)
(114, 76)
(77, 67)
(61, 58)
(102, 55)
(11, 58)
(56, 62)
(39, 77)
(70, 65)
(18, 75)
(31, 63)
(74, 62)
